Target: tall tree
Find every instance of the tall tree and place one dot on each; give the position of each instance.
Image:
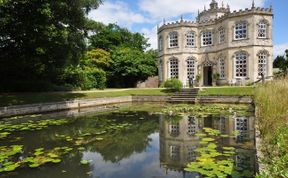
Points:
(113, 36)
(38, 38)
(130, 66)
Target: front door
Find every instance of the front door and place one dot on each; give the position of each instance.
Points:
(207, 76)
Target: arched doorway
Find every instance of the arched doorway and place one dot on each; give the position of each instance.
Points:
(207, 75)
(207, 71)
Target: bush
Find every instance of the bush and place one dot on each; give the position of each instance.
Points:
(173, 84)
(84, 78)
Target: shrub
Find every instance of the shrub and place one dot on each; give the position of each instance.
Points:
(173, 84)
(84, 78)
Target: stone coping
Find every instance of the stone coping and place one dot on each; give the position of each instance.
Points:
(76, 104)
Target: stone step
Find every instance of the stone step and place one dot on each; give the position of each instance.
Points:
(186, 95)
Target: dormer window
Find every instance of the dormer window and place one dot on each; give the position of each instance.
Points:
(173, 40)
(262, 30)
(206, 38)
(240, 31)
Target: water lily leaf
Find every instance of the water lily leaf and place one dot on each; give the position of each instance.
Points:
(84, 162)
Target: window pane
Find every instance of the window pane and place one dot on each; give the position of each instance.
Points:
(240, 31)
(173, 39)
(206, 38)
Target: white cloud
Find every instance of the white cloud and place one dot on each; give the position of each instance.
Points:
(117, 12)
(172, 8)
(152, 35)
(280, 49)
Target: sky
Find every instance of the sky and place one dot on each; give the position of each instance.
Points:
(143, 16)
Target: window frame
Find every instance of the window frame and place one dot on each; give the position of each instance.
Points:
(174, 41)
(191, 67)
(241, 62)
(221, 36)
(222, 68)
(239, 27)
(193, 39)
(160, 43)
(209, 38)
(175, 65)
(261, 63)
(262, 22)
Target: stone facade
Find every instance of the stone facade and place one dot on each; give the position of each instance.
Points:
(220, 46)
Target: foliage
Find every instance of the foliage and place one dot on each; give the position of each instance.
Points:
(214, 160)
(39, 38)
(130, 62)
(281, 62)
(173, 84)
(84, 77)
(98, 58)
(215, 76)
(198, 77)
(130, 66)
(271, 101)
(203, 110)
(112, 36)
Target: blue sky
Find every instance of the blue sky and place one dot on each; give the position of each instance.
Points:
(144, 15)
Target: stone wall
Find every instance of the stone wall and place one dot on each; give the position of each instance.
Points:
(151, 82)
(225, 99)
(77, 104)
(59, 106)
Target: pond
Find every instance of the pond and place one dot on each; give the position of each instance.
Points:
(128, 141)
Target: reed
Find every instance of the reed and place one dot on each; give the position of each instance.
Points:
(271, 101)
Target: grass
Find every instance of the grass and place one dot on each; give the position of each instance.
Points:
(272, 118)
(10, 99)
(30, 98)
(227, 91)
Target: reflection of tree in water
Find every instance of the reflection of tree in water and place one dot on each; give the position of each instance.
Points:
(121, 144)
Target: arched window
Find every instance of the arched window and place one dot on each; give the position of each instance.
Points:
(221, 35)
(173, 39)
(174, 68)
(190, 39)
(222, 68)
(262, 29)
(160, 43)
(262, 63)
(240, 31)
(241, 65)
(191, 68)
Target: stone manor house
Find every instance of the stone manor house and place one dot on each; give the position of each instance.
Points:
(230, 47)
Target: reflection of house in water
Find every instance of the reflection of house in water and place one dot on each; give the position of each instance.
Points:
(178, 140)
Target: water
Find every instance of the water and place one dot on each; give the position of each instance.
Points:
(135, 144)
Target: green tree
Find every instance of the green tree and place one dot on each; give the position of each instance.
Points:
(113, 36)
(130, 66)
(281, 62)
(38, 38)
(98, 58)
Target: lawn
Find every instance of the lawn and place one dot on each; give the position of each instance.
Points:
(10, 99)
(227, 91)
(30, 98)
